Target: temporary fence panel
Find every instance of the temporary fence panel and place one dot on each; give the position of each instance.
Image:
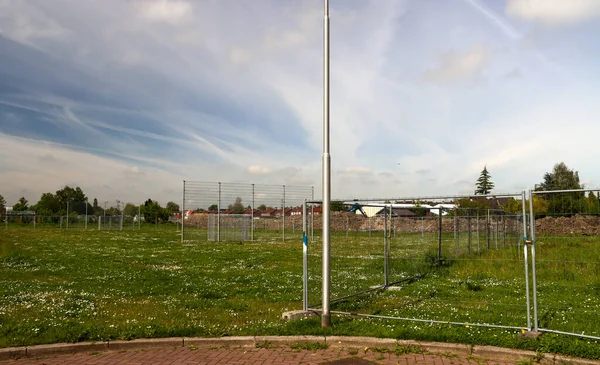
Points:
(404, 262)
(566, 243)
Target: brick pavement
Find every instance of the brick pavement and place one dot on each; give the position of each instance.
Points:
(218, 355)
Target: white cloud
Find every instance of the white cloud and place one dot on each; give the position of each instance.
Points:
(359, 170)
(258, 170)
(554, 12)
(455, 66)
(238, 56)
(167, 11)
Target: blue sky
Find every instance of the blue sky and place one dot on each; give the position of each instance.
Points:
(128, 98)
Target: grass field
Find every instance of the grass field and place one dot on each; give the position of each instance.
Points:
(76, 285)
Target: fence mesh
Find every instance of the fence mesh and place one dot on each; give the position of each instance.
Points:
(410, 263)
(567, 259)
(231, 227)
(275, 211)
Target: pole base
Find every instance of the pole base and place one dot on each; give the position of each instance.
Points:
(326, 320)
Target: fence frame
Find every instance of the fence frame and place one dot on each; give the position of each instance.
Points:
(387, 239)
(532, 241)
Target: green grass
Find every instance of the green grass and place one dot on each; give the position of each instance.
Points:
(76, 285)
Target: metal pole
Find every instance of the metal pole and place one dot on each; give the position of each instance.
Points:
(385, 237)
(104, 220)
(534, 279)
(252, 216)
(469, 221)
(312, 214)
(182, 211)
(86, 213)
(219, 215)
(526, 261)
(67, 214)
(488, 230)
(326, 316)
(478, 240)
(440, 237)
(304, 257)
(283, 211)
(139, 217)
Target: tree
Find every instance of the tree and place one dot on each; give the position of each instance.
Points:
(262, 207)
(95, 206)
(562, 178)
(213, 207)
(2, 204)
(172, 207)
(592, 205)
(47, 205)
(130, 210)
(484, 185)
(22, 205)
(152, 212)
(237, 207)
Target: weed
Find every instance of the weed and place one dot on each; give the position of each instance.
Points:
(264, 345)
(310, 346)
(408, 349)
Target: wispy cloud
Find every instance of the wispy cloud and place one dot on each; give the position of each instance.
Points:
(554, 12)
(224, 90)
(456, 66)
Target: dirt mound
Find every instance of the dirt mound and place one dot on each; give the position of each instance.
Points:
(579, 224)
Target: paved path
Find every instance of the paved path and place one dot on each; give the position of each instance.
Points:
(214, 355)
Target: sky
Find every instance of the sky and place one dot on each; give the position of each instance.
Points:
(128, 98)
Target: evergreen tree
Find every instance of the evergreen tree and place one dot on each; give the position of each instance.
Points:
(484, 184)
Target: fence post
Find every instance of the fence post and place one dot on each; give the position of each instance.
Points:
(252, 216)
(283, 212)
(523, 202)
(219, 214)
(440, 237)
(385, 261)
(534, 279)
(182, 211)
(469, 234)
(304, 257)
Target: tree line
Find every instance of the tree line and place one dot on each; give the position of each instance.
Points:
(77, 203)
(560, 178)
(563, 203)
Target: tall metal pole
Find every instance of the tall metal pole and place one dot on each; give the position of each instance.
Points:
(326, 316)
(534, 279)
(182, 211)
(523, 202)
